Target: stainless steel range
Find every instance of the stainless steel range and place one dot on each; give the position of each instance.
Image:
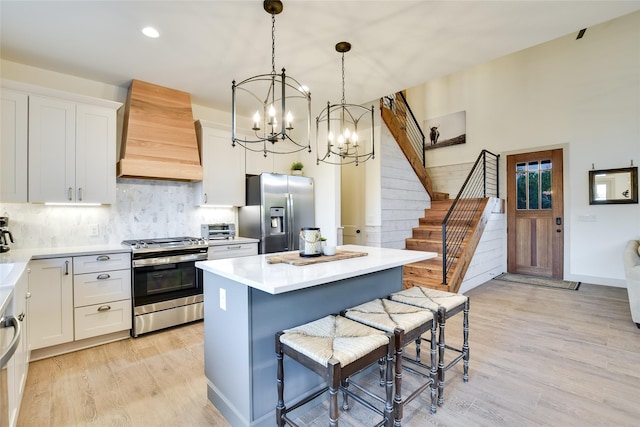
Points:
(166, 285)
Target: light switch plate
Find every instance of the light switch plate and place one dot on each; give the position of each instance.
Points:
(223, 299)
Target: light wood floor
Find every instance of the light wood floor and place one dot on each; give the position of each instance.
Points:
(539, 357)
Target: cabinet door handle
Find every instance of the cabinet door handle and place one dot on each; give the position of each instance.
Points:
(103, 276)
(234, 247)
(28, 295)
(103, 258)
(70, 193)
(104, 308)
(66, 268)
(80, 194)
(205, 198)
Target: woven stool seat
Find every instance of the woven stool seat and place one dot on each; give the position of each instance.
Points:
(430, 299)
(407, 323)
(335, 348)
(446, 305)
(334, 337)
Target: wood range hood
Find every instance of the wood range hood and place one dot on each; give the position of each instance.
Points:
(159, 137)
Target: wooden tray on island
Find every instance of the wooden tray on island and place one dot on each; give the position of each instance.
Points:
(294, 258)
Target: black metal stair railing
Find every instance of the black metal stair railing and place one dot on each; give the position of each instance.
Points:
(482, 182)
(398, 105)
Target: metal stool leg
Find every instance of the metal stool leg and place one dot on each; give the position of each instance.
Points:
(442, 313)
(465, 342)
(280, 383)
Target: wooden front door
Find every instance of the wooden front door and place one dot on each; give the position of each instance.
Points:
(535, 221)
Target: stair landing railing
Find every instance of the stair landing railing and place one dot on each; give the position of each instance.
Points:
(398, 105)
(482, 182)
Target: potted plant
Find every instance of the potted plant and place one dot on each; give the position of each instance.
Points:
(296, 168)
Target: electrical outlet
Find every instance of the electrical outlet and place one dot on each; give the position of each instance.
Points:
(95, 230)
(223, 299)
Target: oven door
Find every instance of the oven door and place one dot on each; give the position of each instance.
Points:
(166, 278)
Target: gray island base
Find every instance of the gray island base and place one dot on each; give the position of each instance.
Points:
(247, 300)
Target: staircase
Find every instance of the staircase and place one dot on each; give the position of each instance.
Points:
(451, 227)
(428, 236)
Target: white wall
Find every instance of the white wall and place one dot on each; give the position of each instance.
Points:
(489, 258)
(404, 199)
(583, 95)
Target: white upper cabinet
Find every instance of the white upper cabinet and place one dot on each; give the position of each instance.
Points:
(13, 146)
(72, 151)
(223, 181)
(95, 154)
(52, 140)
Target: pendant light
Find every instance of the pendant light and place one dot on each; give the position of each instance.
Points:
(339, 128)
(277, 104)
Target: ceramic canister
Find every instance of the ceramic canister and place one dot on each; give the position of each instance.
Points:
(310, 242)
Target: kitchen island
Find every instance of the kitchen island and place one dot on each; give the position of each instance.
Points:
(247, 300)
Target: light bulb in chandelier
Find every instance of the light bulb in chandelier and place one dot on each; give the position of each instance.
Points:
(272, 115)
(289, 123)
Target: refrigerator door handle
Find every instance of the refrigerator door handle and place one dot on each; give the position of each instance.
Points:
(291, 221)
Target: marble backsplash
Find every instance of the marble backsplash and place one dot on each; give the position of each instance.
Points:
(143, 209)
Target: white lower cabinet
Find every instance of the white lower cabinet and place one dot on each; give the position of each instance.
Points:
(101, 319)
(66, 308)
(232, 250)
(19, 364)
(102, 295)
(51, 302)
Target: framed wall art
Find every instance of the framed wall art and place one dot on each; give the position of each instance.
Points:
(446, 130)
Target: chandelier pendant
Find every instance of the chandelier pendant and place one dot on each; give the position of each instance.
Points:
(344, 123)
(275, 102)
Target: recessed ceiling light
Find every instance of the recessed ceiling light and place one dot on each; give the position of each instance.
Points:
(150, 32)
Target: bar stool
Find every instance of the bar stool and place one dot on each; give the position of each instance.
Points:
(446, 304)
(335, 348)
(407, 323)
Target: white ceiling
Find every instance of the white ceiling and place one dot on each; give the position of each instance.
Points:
(204, 45)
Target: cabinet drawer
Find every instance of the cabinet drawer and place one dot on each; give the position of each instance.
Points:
(100, 319)
(232, 250)
(101, 262)
(101, 287)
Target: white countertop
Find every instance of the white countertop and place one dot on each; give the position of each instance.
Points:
(254, 271)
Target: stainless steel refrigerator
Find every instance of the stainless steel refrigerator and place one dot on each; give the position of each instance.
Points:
(278, 207)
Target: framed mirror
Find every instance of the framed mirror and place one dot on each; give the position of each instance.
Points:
(613, 186)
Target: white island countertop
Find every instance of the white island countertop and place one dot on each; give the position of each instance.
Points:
(256, 272)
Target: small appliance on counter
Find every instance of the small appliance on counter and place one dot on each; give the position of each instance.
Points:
(218, 231)
(5, 234)
(310, 242)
